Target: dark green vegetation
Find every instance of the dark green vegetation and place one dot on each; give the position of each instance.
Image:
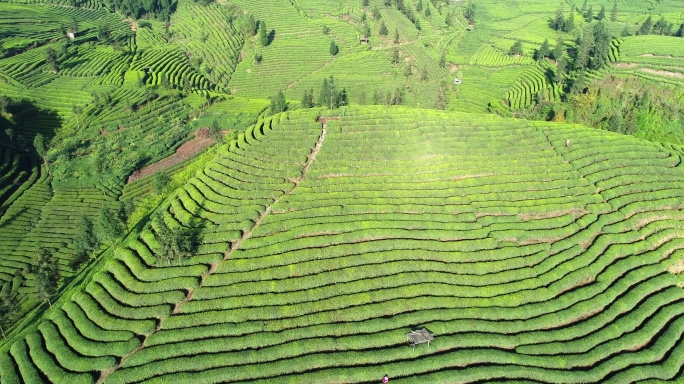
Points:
(301, 250)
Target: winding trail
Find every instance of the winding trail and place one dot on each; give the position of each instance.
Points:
(214, 266)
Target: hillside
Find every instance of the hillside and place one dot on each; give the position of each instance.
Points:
(172, 207)
(323, 244)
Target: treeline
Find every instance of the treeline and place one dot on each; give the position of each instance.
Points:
(159, 9)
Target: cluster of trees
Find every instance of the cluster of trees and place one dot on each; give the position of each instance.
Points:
(661, 27)
(160, 9)
(328, 97)
(175, 243)
(250, 27)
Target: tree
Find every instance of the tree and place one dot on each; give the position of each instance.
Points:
(328, 96)
(516, 49)
(334, 49)
(174, 243)
(559, 49)
(160, 181)
(589, 16)
(424, 74)
(646, 27)
(383, 29)
(558, 22)
(376, 14)
(366, 29)
(108, 227)
(364, 3)
(614, 12)
(396, 36)
(395, 56)
(570, 23)
(45, 268)
(662, 27)
(544, 51)
(584, 7)
(308, 99)
(278, 103)
(469, 13)
(215, 131)
(51, 59)
(602, 13)
(248, 26)
(601, 46)
(680, 31)
(560, 72)
(427, 10)
(442, 60)
(419, 5)
(85, 242)
(104, 33)
(441, 96)
(585, 45)
(9, 307)
(263, 35)
(41, 149)
(625, 32)
(342, 98)
(10, 133)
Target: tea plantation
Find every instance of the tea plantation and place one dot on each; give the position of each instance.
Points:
(323, 244)
(506, 176)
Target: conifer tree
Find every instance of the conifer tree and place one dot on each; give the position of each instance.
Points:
(646, 27)
(602, 13)
(383, 29)
(47, 274)
(614, 12)
(263, 35)
(334, 49)
(85, 242)
(109, 226)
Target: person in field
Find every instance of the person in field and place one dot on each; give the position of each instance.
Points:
(385, 379)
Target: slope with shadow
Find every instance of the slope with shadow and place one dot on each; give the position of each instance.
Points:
(529, 259)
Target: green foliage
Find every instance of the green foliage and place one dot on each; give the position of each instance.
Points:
(160, 181)
(614, 11)
(175, 244)
(383, 29)
(108, 227)
(263, 35)
(396, 36)
(278, 103)
(51, 59)
(334, 49)
(516, 48)
(602, 13)
(85, 242)
(544, 51)
(646, 27)
(160, 9)
(44, 267)
(9, 307)
(307, 99)
(215, 131)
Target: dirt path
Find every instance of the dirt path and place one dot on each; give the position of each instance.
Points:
(185, 151)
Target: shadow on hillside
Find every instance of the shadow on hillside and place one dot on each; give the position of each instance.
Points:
(28, 119)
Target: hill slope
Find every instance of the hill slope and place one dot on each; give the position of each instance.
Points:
(323, 245)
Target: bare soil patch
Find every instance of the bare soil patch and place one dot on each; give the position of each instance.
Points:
(624, 65)
(185, 151)
(663, 73)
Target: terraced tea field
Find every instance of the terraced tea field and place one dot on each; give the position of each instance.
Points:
(323, 244)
